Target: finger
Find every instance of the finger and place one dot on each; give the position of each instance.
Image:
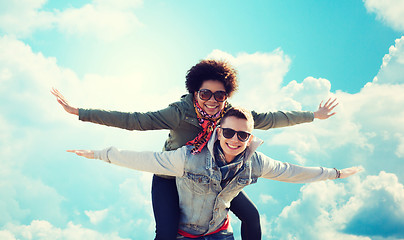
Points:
(326, 103)
(331, 103)
(332, 114)
(319, 106)
(333, 106)
(61, 98)
(54, 93)
(61, 102)
(58, 94)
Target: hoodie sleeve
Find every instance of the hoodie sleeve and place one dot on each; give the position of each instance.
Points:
(166, 163)
(287, 172)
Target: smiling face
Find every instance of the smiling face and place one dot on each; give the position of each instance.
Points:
(233, 146)
(211, 106)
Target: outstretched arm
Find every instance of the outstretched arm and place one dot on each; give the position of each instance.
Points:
(280, 119)
(168, 118)
(166, 163)
(324, 112)
(65, 104)
(286, 172)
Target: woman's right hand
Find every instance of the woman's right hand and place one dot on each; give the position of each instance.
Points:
(65, 104)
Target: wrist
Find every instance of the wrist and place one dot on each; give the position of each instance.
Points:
(338, 173)
(75, 111)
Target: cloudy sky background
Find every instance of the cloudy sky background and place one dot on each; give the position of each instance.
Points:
(133, 55)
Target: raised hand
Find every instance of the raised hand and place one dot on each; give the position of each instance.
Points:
(65, 104)
(323, 112)
(83, 153)
(347, 172)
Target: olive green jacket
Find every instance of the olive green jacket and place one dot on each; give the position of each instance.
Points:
(180, 118)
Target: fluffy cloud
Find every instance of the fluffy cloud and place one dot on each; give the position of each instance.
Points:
(377, 207)
(393, 63)
(389, 11)
(21, 18)
(34, 136)
(373, 209)
(96, 216)
(102, 19)
(41, 230)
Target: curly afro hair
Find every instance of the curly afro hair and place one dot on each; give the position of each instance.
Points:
(220, 71)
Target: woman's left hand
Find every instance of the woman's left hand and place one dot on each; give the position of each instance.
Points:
(323, 112)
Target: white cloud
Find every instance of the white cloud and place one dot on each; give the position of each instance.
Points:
(35, 131)
(389, 11)
(400, 149)
(6, 235)
(121, 4)
(101, 19)
(381, 196)
(42, 230)
(393, 64)
(22, 17)
(265, 199)
(96, 216)
(373, 209)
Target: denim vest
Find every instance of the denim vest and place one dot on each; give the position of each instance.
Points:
(203, 202)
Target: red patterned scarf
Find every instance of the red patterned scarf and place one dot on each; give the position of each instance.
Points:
(208, 123)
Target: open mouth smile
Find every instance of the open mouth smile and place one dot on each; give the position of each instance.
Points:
(233, 147)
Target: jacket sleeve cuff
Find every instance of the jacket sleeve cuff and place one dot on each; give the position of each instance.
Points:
(102, 154)
(83, 113)
(312, 116)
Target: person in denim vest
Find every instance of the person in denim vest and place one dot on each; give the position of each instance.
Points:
(207, 182)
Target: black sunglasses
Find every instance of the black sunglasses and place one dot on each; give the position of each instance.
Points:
(241, 135)
(206, 94)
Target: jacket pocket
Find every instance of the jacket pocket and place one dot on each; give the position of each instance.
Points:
(197, 183)
(246, 181)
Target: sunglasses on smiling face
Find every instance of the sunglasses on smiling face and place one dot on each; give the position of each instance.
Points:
(206, 94)
(241, 135)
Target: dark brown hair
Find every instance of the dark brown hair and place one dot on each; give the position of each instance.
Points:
(220, 71)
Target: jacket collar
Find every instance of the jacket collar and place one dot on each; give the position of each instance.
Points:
(255, 143)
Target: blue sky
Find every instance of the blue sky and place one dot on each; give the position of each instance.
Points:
(133, 55)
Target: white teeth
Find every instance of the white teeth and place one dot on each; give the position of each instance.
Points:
(232, 146)
(211, 107)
